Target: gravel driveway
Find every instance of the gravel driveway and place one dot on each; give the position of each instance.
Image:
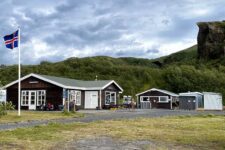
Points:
(96, 115)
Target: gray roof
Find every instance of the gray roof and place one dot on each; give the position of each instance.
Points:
(70, 83)
(77, 83)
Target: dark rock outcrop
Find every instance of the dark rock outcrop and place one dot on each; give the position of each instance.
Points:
(211, 40)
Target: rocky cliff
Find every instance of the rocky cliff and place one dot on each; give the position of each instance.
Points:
(211, 40)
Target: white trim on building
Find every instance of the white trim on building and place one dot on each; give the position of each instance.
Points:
(162, 91)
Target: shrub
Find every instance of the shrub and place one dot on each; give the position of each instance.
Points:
(4, 106)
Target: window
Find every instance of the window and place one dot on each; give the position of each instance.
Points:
(113, 97)
(110, 97)
(145, 99)
(107, 98)
(24, 98)
(78, 97)
(41, 97)
(75, 96)
(72, 95)
(163, 99)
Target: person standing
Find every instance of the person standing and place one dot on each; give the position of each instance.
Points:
(133, 104)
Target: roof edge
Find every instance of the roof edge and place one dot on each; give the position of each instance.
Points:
(155, 89)
(34, 75)
(112, 81)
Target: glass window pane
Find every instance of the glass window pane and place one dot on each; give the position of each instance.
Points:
(41, 97)
(112, 97)
(24, 97)
(145, 99)
(163, 99)
(78, 98)
(107, 99)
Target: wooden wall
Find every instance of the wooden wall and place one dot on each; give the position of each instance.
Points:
(53, 93)
(113, 88)
(155, 100)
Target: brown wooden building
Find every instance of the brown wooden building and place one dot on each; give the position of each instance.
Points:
(37, 90)
(156, 98)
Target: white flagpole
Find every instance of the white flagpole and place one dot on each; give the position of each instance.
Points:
(19, 71)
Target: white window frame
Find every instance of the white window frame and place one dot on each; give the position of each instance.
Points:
(141, 98)
(74, 95)
(43, 93)
(167, 99)
(78, 95)
(110, 93)
(27, 97)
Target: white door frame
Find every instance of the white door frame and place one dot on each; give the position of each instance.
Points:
(88, 104)
(32, 106)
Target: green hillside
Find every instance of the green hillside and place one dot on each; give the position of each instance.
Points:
(187, 56)
(179, 72)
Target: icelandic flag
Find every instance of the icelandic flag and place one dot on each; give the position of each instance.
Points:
(11, 40)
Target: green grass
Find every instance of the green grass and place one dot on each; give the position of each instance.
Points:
(199, 132)
(36, 115)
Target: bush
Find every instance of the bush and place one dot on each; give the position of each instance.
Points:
(4, 106)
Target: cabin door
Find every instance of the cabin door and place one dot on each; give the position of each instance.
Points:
(32, 100)
(91, 99)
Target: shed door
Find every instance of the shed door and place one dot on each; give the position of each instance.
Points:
(91, 99)
(187, 102)
(191, 103)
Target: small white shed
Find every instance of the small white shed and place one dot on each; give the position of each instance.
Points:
(212, 101)
(2, 96)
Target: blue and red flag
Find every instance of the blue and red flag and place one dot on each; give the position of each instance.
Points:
(11, 40)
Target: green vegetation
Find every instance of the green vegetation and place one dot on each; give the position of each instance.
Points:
(179, 72)
(4, 107)
(37, 115)
(190, 132)
(187, 56)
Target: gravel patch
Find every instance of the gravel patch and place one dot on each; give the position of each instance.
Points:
(106, 143)
(109, 143)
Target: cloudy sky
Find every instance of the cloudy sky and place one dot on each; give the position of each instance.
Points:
(53, 30)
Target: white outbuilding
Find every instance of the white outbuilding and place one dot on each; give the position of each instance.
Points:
(197, 100)
(212, 101)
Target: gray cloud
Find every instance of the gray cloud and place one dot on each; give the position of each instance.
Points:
(55, 30)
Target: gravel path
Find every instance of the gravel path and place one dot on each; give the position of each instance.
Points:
(109, 143)
(94, 115)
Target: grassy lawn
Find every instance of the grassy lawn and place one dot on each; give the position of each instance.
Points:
(199, 132)
(36, 115)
